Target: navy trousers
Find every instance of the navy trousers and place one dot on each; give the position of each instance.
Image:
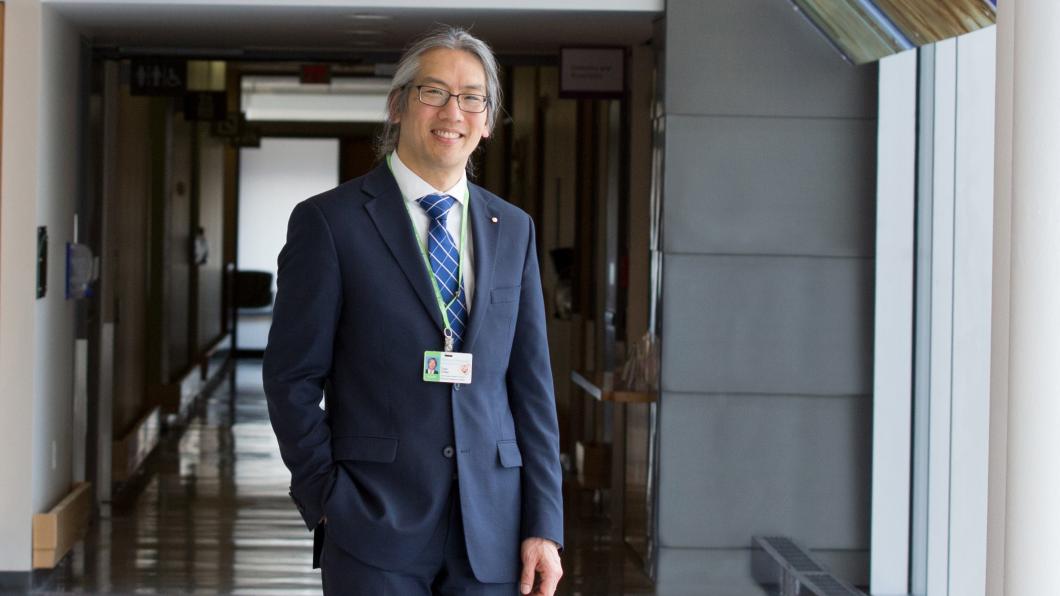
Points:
(441, 569)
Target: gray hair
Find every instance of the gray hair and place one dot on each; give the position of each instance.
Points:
(452, 38)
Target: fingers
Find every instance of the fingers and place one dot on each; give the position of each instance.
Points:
(526, 582)
(551, 571)
(540, 557)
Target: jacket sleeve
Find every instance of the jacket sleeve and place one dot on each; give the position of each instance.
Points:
(533, 403)
(299, 355)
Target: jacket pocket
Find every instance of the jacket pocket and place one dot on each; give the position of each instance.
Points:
(377, 449)
(509, 453)
(501, 295)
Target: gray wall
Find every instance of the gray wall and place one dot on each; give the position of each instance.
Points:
(768, 236)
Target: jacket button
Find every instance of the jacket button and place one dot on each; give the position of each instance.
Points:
(448, 451)
(456, 387)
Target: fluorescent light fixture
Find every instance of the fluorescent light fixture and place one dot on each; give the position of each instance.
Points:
(285, 99)
(365, 16)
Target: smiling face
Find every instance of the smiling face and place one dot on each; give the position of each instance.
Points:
(436, 142)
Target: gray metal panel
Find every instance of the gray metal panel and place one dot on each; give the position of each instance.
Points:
(758, 57)
(770, 186)
(788, 325)
(735, 466)
(695, 572)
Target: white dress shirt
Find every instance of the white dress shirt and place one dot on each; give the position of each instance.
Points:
(414, 188)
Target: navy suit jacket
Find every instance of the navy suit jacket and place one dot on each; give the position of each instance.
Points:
(354, 312)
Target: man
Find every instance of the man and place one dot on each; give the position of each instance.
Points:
(414, 485)
(432, 366)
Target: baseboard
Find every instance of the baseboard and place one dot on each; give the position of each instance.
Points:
(195, 386)
(56, 531)
(24, 582)
(132, 449)
(177, 402)
(177, 398)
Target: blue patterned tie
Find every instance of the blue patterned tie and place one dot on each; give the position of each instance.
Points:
(445, 258)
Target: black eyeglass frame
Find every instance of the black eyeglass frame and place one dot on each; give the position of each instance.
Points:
(449, 95)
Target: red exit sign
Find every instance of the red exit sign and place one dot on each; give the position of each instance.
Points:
(316, 74)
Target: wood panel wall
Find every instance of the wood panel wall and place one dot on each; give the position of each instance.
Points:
(126, 247)
(210, 216)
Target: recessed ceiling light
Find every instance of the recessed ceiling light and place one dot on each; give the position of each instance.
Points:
(365, 43)
(367, 16)
(365, 32)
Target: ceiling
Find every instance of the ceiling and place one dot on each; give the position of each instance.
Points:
(311, 27)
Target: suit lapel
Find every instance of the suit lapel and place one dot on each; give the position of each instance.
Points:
(388, 213)
(484, 233)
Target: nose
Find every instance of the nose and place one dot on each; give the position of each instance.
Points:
(451, 109)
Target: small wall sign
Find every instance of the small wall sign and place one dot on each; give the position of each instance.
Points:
(592, 72)
(42, 261)
(158, 76)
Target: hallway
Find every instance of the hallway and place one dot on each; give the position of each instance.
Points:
(213, 517)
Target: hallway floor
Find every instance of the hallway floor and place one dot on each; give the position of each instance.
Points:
(213, 517)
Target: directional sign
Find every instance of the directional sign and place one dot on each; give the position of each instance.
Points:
(158, 76)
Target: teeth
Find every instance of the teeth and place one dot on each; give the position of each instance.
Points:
(447, 134)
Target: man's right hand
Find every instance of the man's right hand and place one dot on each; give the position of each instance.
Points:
(540, 557)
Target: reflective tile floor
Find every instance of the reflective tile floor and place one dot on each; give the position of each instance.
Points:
(212, 516)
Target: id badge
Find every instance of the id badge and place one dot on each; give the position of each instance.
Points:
(447, 367)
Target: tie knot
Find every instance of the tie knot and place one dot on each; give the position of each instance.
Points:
(437, 206)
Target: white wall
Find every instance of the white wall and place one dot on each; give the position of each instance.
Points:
(954, 161)
(58, 190)
(40, 176)
(272, 180)
(972, 275)
(17, 277)
(1000, 304)
(953, 300)
(893, 352)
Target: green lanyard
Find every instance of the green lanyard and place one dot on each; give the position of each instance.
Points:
(442, 305)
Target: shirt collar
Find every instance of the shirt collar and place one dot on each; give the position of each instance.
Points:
(413, 187)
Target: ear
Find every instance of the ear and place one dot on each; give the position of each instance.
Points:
(393, 113)
(486, 133)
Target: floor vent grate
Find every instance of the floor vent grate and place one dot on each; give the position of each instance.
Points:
(784, 567)
(827, 585)
(794, 555)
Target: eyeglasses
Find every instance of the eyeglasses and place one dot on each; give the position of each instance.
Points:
(468, 102)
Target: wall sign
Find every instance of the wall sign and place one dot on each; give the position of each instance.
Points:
(158, 76)
(82, 268)
(42, 261)
(592, 72)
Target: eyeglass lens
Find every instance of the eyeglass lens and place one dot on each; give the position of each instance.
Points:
(468, 102)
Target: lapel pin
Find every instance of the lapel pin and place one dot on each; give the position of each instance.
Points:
(493, 219)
